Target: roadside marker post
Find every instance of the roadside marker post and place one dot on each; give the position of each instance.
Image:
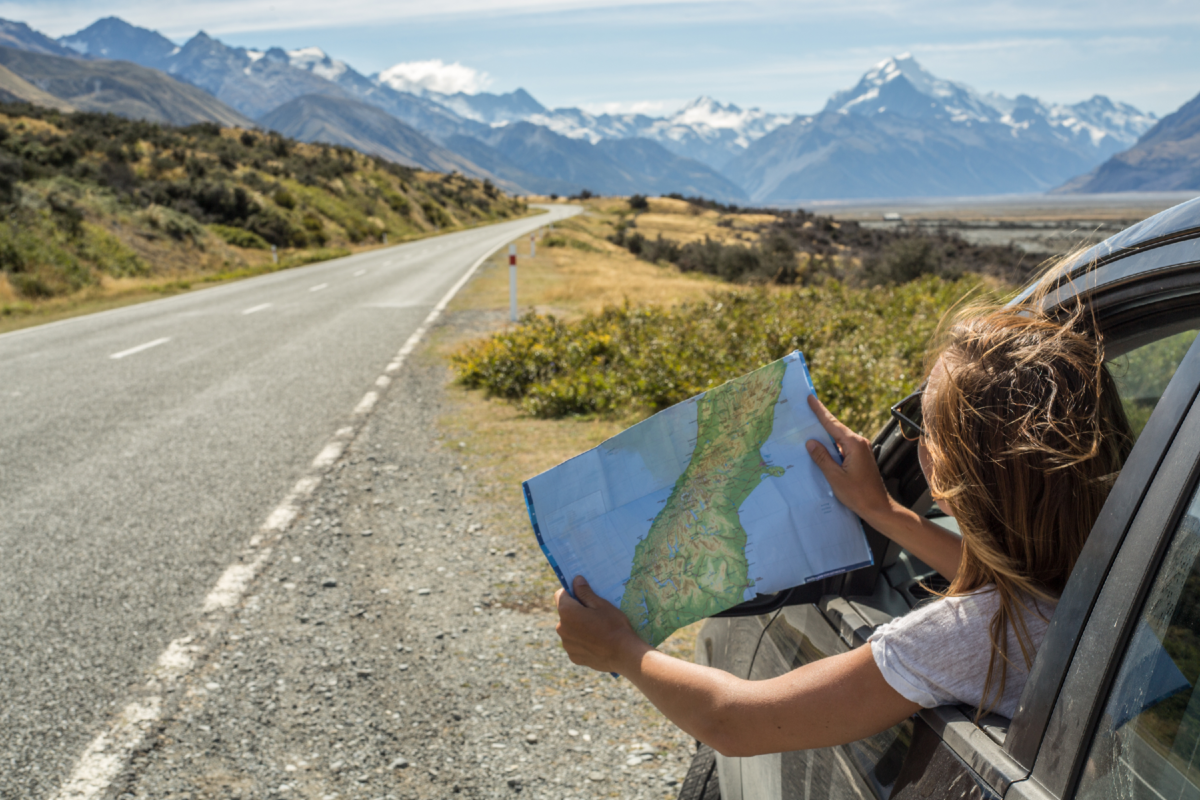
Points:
(274, 255)
(512, 283)
(532, 245)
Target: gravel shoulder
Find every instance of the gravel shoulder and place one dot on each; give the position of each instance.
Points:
(381, 654)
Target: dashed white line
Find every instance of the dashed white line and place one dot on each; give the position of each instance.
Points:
(319, 287)
(140, 348)
(257, 308)
(362, 272)
(367, 403)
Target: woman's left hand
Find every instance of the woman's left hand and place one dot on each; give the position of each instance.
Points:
(594, 632)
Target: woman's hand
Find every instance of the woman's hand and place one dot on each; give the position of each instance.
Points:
(856, 481)
(594, 632)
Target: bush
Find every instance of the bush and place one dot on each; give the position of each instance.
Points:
(865, 347)
(171, 222)
(639, 203)
(240, 237)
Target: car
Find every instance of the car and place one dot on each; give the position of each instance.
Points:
(1110, 709)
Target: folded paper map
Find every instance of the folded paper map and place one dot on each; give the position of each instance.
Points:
(700, 507)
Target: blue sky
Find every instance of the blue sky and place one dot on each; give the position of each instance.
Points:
(780, 56)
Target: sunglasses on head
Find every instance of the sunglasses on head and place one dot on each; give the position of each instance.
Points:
(907, 414)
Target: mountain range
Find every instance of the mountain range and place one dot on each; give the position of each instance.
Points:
(900, 131)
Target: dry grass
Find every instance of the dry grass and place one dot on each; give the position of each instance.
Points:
(568, 282)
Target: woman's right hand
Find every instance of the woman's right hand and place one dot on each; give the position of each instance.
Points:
(856, 482)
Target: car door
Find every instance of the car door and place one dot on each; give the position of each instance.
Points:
(1126, 723)
(944, 747)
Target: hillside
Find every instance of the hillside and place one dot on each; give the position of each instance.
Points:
(91, 202)
(15, 89)
(366, 128)
(118, 87)
(1166, 159)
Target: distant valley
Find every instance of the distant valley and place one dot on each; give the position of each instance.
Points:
(899, 132)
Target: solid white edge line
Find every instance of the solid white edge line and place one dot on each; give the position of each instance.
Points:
(110, 751)
(140, 348)
(319, 287)
(256, 309)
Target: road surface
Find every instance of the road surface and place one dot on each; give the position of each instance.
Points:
(140, 449)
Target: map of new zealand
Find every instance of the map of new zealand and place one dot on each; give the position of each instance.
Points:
(700, 507)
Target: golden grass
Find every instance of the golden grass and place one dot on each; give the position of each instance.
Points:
(569, 282)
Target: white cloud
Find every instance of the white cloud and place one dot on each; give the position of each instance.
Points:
(651, 108)
(435, 76)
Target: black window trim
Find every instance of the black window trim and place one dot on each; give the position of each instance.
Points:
(1101, 647)
(1066, 627)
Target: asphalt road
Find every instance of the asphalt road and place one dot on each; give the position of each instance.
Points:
(141, 447)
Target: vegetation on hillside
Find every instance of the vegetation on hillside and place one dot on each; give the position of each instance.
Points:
(89, 198)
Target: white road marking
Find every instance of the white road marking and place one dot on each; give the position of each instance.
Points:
(331, 453)
(382, 381)
(256, 308)
(110, 751)
(366, 404)
(319, 287)
(362, 272)
(140, 348)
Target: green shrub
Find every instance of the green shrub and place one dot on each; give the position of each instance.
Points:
(240, 237)
(865, 347)
(285, 199)
(169, 221)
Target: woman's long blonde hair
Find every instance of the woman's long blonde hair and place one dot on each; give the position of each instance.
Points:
(1027, 434)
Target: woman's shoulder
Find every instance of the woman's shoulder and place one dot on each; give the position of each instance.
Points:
(961, 611)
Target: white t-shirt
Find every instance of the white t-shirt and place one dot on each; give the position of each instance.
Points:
(938, 654)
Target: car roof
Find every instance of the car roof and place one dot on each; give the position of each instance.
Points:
(1169, 240)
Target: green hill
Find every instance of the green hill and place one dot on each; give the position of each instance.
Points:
(93, 202)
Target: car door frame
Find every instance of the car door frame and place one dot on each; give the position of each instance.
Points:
(1073, 718)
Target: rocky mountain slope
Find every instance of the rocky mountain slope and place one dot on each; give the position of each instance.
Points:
(15, 89)
(118, 87)
(1167, 158)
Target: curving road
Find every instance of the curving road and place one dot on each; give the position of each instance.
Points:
(140, 448)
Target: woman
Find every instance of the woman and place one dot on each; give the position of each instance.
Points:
(1020, 434)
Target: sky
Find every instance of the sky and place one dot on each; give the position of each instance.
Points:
(778, 55)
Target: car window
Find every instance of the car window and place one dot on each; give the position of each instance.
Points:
(1142, 375)
(1148, 744)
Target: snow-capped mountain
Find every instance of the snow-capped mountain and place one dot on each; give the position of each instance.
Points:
(705, 129)
(903, 87)
(901, 131)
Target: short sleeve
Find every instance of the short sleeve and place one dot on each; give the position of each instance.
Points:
(937, 654)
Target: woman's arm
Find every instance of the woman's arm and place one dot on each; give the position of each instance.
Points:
(857, 483)
(828, 702)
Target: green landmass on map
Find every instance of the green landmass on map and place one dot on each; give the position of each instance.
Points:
(692, 563)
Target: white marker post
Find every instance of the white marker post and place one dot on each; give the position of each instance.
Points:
(532, 245)
(274, 255)
(512, 282)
